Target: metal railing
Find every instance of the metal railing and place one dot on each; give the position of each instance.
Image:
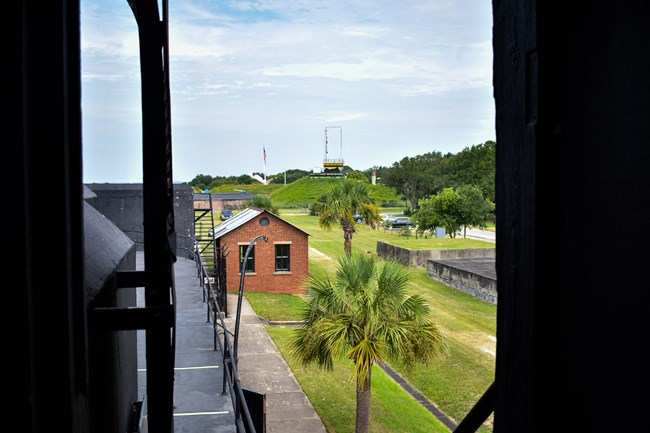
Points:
(243, 418)
(479, 413)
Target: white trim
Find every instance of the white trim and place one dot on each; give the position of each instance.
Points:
(247, 273)
(282, 242)
(282, 273)
(202, 367)
(221, 412)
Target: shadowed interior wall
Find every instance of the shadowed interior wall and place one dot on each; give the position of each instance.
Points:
(573, 154)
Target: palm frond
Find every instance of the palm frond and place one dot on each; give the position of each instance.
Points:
(323, 341)
(366, 314)
(366, 353)
(392, 283)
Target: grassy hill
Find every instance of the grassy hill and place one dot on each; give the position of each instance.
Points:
(305, 191)
(253, 188)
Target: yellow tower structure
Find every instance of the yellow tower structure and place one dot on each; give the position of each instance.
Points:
(333, 166)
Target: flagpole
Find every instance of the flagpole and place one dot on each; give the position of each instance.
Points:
(264, 152)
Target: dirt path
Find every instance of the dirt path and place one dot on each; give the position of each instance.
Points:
(315, 254)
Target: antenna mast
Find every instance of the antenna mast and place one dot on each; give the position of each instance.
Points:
(333, 166)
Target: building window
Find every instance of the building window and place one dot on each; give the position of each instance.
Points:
(282, 257)
(250, 263)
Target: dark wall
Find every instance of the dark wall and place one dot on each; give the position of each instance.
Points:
(184, 219)
(47, 340)
(113, 360)
(122, 204)
(572, 92)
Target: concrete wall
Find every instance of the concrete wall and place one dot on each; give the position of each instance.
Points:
(122, 204)
(481, 286)
(221, 201)
(112, 356)
(418, 258)
(220, 204)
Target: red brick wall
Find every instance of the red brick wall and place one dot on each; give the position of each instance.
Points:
(265, 279)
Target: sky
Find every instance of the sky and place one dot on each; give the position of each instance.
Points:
(383, 79)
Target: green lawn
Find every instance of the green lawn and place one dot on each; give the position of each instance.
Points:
(435, 243)
(276, 306)
(330, 242)
(454, 384)
(332, 393)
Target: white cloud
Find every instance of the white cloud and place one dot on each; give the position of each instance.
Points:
(346, 117)
(407, 77)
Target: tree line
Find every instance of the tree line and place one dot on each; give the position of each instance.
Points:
(206, 181)
(414, 177)
(428, 174)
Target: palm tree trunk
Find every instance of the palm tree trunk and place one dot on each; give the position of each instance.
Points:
(348, 230)
(363, 405)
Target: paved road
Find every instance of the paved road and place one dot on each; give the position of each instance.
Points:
(483, 235)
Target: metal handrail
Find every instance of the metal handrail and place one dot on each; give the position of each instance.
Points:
(231, 376)
(479, 413)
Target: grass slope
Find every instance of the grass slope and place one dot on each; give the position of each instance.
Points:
(305, 191)
(332, 393)
(253, 188)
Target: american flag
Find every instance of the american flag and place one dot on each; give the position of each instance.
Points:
(264, 150)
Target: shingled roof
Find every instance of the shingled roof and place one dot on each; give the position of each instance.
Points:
(242, 218)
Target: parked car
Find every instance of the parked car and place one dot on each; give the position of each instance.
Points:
(225, 214)
(358, 218)
(401, 222)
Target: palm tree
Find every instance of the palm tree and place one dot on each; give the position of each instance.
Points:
(340, 205)
(367, 316)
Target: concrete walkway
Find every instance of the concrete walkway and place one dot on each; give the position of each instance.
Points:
(199, 404)
(262, 369)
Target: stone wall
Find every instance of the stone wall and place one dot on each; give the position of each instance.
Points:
(418, 258)
(476, 284)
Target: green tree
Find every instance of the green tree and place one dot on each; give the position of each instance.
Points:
(262, 202)
(440, 210)
(475, 165)
(345, 200)
(417, 177)
(357, 175)
(474, 210)
(291, 175)
(201, 181)
(427, 217)
(367, 316)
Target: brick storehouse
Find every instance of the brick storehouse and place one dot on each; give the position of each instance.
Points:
(279, 265)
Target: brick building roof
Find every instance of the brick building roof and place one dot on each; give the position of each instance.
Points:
(243, 217)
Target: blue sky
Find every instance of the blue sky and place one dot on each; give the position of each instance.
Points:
(399, 79)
